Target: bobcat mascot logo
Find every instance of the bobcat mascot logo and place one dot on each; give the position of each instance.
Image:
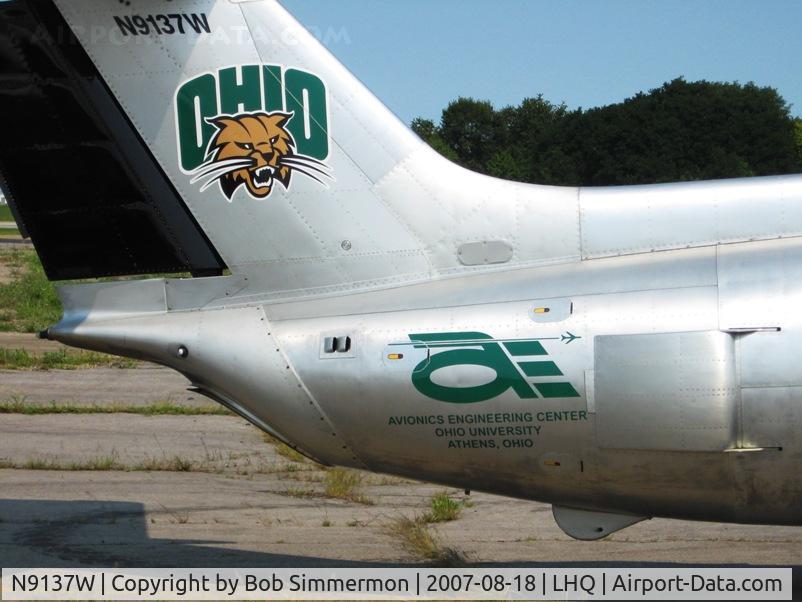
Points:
(254, 150)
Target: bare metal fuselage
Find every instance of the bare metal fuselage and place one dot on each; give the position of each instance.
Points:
(619, 352)
(684, 362)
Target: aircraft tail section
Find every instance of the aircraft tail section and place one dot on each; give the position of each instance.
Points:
(257, 151)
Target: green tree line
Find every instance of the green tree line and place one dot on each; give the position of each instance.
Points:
(680, 131)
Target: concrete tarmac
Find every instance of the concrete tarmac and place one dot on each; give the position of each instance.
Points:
(241, 503)
(143, 385)
(194, 520)
(212, 491)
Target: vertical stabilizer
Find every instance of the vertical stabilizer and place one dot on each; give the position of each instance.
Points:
(297, 175)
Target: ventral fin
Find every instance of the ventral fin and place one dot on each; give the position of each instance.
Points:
(589, 525)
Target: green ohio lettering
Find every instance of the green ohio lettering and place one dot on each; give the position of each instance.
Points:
(515, 363)
(250, 88)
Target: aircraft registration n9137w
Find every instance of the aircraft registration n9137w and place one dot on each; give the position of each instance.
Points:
(620, 353)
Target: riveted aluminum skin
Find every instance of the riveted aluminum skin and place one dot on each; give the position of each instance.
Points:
(662, 381)
(600, 464)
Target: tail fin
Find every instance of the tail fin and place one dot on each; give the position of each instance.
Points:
(290, 168)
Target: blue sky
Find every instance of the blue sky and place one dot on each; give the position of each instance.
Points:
(417, 55)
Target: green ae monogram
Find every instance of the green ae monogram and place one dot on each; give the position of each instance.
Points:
(479, 349)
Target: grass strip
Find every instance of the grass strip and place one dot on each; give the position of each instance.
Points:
(28, 303)
(62, 359)
(108, 463)
(111, 462)
(160, 408)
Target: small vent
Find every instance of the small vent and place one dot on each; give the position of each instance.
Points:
(343, 344)
(337, 345)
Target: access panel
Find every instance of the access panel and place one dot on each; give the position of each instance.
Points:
(670, 391)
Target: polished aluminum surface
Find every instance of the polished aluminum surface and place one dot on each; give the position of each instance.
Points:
(669, 391)
(621, 352)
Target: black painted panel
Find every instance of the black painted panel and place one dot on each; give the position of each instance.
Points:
(76, 172)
